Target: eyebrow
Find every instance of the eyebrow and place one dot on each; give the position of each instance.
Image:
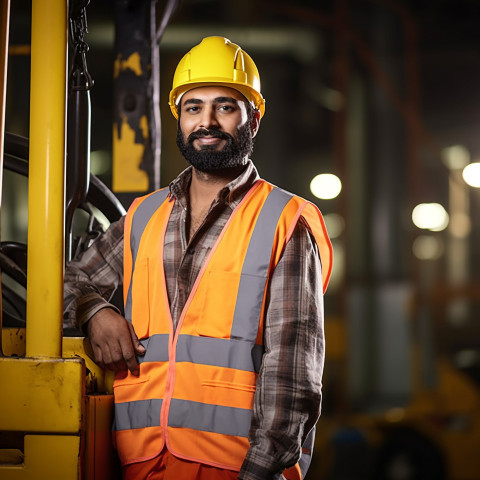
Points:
(197, 101)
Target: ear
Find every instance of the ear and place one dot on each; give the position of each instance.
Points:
(255, 123)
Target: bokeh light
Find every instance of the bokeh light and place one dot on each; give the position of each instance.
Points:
(471, 174)
(428, 247)
(430, 216)
(456, 157)
(335, 224)
(460, 225)
(326, 186)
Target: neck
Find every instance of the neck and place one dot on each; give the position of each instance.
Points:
(206, 185)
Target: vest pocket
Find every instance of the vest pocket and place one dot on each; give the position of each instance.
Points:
(228, 394)
(229, 385)
(218, 306)
(131, 388)
(128, 380)
(141, 298)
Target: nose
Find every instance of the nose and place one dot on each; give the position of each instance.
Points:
(208, 117)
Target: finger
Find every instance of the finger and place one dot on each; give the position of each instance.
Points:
(98, 357)
(118, 359)
(139, 348)
(108, 359)
(128, 354)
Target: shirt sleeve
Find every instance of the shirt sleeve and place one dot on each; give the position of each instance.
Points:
(93, 276)
(288, 397)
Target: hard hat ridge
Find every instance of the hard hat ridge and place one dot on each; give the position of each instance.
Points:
(217, 61)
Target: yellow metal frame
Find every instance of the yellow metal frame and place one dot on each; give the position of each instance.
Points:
(49, 398)
(48, 410)
(51, 457)
(55, 401)
(97, 380)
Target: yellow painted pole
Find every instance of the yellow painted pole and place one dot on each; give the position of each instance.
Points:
(46, 178)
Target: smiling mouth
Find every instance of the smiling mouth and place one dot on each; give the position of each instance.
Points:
(208, 140)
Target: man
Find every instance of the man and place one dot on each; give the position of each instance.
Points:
(220, 355)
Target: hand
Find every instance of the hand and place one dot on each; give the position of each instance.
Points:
(114, 341)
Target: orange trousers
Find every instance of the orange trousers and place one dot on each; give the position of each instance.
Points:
(168, 467)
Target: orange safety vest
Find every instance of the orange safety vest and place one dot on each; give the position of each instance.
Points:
(196, 385)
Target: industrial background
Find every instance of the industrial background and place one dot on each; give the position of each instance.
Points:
(383, 94)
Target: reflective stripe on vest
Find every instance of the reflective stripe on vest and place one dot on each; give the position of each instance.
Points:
(139, 414)
(307, 452)
(218, 352)
(209, 418)
(183, 413)
(255, 266)
(139, 222)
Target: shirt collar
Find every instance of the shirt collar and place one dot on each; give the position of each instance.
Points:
(231, 194)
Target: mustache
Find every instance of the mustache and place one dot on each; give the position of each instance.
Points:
(209, 132)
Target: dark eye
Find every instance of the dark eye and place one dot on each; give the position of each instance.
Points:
(193, 109)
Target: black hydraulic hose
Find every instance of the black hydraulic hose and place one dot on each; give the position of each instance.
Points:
(78, 157)
(78, 126)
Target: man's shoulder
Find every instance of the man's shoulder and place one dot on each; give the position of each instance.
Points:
(272, 187)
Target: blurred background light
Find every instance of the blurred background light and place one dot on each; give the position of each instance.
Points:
(335, 224)
(466, 358)
(427, 247)
(471, 174)
(100, 162)
(456, 157)
(460, 225)
(430, 216)
(326, 186)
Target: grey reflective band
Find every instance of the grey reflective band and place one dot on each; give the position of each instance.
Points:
(306, 458)
(184, 413)
(140, 219)
(209, 418)
(219, 352)
(138, 414)
(255, 267)
(156, 349)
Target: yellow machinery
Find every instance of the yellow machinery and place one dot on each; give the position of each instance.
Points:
(55, 409)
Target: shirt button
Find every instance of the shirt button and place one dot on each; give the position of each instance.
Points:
(191, 251)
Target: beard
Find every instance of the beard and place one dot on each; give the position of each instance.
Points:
(207, 159)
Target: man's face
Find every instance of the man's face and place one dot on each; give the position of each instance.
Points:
(215, 132)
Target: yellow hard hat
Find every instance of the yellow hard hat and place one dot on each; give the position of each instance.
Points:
(217, 61)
